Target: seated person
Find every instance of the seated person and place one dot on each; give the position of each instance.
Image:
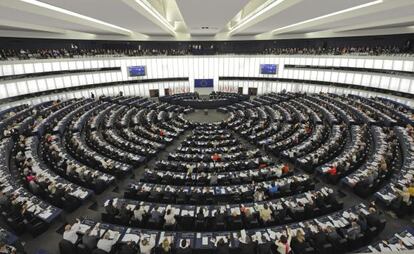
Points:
(184, 247)
(146, 245)
(128, 248)
(139, 212)
(273, 189)
(7, 249)
(353, 232)
(246, 246)
(165, 247)
(90, 240)
(110, 209)
(106, 243)
(283, 244)
(332, 170)
(70, 233)
(299, 244)
(265, 247)
(169, 218)
(265, 213)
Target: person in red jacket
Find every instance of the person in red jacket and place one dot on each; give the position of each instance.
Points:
(216, 157)
(332, 170)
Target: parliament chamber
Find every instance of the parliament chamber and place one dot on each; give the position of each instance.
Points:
(154, 127)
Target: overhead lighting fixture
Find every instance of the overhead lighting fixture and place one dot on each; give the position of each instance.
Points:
(259, 11)
(74, 14)
(151, 10)
(329, 15)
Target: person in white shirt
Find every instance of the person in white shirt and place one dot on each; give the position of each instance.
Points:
(138, 213)
(169, 218)
(145, 245)
(106, 243)
(70, 233)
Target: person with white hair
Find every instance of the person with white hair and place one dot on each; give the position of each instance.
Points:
(70, 233)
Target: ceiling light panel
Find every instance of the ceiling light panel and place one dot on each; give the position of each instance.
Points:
(110, 11)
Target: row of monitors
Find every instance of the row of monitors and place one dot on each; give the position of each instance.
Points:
(402, 84)
(221, 65)
(137, 71)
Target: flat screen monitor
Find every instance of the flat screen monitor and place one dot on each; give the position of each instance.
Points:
(268, 69)
(203, 83)
(136, 71)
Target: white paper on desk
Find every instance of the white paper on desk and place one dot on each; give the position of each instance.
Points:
(83, 228)
(204, 241)
(303, 200)
(404, 240)
(130, 237)
(372, 249)
(45, 214)
(364, 211)
(408, 241)
(113, 234)
(337, 224)
(146, 208)
(393, 248)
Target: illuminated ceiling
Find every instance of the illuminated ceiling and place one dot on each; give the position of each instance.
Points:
(203, 19)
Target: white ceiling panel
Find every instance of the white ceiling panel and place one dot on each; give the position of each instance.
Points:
(209, 13)
(203, 19)
(112, 11)
(25, 17)
(307, 9)
(365, 19)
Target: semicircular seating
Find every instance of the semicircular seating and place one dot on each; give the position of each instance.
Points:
(281, 159)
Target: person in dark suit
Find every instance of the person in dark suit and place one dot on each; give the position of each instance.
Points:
(220, 219)
(373, 218)
(333, 236)
(298, 243)
(89, 240)
(265, 247)
(156, 216)
(111, 209)
(247, 247)
(223, 247)
(184, 248)
(320, 238)
(128, 248)
(124, 214)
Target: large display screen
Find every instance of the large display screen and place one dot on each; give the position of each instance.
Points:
(203, 83)
(268, 69)
(136, 71)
